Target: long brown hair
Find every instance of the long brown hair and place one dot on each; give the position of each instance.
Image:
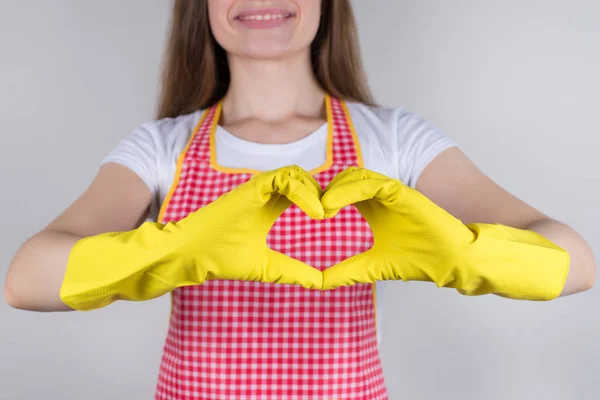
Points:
(196, 71)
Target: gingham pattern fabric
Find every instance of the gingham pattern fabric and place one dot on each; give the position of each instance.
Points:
(232, 340)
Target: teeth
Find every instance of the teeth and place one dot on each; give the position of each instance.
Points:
(266, 17)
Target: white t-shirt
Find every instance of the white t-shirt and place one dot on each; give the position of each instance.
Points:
(393, 142)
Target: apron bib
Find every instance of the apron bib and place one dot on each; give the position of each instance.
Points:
(235, 340)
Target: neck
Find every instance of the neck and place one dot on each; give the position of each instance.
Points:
(272, 90)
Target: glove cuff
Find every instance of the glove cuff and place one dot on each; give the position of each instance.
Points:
(513, 263)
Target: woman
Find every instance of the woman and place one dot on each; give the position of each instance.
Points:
(272, 278)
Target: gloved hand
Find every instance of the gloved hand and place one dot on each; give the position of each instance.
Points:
(416, 240)
(224, 240)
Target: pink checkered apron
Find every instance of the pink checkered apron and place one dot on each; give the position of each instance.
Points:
(235, 340)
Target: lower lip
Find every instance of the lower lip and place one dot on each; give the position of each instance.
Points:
(264, 24)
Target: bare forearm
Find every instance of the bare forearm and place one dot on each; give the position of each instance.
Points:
(37, 271)
(582, 268)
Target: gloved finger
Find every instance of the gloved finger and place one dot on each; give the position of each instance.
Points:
(341, 175)
(396, 192)
(298, 173)
(356, 174)
(361, 268)
(350, 191)
(301, 189)
(307, 178)
(353, 174)
(287, 270)
(265, 188)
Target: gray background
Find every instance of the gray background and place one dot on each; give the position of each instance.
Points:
(514, 82)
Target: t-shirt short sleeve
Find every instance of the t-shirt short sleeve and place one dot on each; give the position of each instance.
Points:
(419, 143)
(138, 152)
(142, 151)
(152, 151)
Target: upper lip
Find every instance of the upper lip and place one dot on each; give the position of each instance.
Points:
(267, 11)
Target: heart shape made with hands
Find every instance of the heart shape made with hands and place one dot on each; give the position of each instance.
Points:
(405, 225)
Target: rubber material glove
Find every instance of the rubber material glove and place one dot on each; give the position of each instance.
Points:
(224, 240)
(416, 240)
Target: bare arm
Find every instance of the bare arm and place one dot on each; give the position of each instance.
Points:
(117, 200)
(454, 183)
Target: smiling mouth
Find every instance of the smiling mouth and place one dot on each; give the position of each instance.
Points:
(264, 15)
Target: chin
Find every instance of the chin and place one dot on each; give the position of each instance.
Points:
(267, 52)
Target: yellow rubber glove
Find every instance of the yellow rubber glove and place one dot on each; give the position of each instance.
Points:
(224, 240)
(416, 240)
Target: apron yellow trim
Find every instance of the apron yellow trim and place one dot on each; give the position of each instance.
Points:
(165, 204)
(213, 148)
(359, 158)
(329, 149)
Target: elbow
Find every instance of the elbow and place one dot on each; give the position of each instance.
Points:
(10, 294)
(18, 297)
(21, 294)
(14, 284)
(15, 293)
